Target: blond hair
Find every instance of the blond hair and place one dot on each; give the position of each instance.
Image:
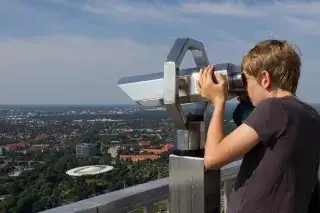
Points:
(279, 58)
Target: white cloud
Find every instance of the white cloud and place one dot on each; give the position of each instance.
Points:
(127, 11)
(71, 69)
(304, 26)
(284, 16)
(78, 69)
(227, 48)
(304, 15)
(307, 8)
(221, 9)
(158, 10)
(141, 11)
(82, 69)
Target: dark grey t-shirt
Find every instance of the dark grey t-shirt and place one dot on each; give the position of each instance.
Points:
(279, 174)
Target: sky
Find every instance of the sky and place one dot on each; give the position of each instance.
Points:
(75, 51)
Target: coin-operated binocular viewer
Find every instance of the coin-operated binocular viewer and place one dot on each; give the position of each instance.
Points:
(193, 189)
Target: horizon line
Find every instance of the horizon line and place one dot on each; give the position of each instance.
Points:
(99, 104)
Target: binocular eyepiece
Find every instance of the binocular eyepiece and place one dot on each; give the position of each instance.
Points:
(232, 74)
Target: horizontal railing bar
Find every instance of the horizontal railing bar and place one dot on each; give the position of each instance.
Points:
(124, 200)
(230, 171)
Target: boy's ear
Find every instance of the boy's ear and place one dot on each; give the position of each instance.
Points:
(265, 79)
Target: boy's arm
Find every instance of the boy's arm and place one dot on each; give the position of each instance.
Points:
(268, 120)
(221, 150)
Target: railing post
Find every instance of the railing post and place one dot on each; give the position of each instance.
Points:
(148, 209)
(227, 189)
(192, 189)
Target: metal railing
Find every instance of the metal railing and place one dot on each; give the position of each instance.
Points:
(144, 197)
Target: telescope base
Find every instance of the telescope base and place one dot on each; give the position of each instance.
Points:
(191, 188)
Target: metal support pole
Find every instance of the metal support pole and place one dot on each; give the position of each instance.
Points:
(227, 189)
(192, 189)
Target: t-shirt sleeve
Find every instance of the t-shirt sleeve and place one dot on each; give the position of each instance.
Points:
(269, 119)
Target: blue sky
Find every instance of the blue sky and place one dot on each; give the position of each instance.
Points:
(74, 51)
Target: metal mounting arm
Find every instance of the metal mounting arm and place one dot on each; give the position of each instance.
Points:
(171, 76)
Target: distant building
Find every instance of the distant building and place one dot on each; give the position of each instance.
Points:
(14, 146)
(38, 147)
(2, 151)
(135, 158)
(164, 148)
(85, 150)
(113, 151)
(144, 143)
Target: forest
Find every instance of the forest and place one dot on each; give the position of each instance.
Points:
(48, 186)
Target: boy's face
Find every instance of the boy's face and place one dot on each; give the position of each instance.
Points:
(257, 88)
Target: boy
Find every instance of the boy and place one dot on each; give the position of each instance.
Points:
(279, 141)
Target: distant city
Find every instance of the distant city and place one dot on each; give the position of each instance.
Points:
(39, 144)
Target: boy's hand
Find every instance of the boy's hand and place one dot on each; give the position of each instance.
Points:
(217, 93)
